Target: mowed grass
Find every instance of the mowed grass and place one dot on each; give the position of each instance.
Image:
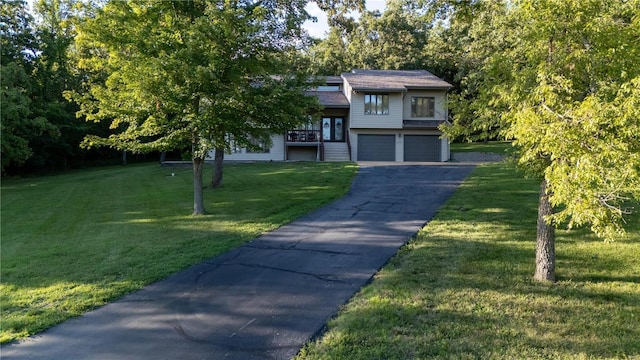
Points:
(498, 147)
(73, 242)
(463, 288)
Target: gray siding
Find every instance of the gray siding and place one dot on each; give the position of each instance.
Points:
(440, 112)
(360, 120)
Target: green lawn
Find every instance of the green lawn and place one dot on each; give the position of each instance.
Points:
(499, 147)
(73, 242)
(463, 288)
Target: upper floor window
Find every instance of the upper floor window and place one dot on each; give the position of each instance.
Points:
(423, 106)
(328, 88)
(376, 104)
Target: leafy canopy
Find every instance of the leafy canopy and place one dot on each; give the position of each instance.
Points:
(168, 74)
(572, 99)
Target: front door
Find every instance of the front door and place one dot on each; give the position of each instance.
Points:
(333, 129)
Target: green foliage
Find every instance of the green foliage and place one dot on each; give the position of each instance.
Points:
(106, 232)
(16, 36)
(40, 128)
(20, 124)
(168, 75)
(392, 40)
(462, 288)
(173, 73)
(573, 107)
(337, 10)
(15, 125)
(560, 79)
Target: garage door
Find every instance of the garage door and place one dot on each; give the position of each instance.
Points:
(421, 148)
(376, 147)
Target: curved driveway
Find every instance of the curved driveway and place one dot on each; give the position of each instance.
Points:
(266, 299)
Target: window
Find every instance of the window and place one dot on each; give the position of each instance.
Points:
(376, 104)
(310, 125)
(423, 106)
(260, 146)
(234, 147)
(328, 88)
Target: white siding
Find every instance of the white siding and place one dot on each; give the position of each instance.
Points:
(391, 121)
(276, 153)
(440, 112)
(399, 148)
(347, 91)
(446, 150)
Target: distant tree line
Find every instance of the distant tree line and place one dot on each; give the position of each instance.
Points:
(40, 132)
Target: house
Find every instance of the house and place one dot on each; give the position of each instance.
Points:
(368, 115)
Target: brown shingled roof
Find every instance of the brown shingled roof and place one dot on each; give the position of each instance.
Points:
(394, 80)
(331, 99)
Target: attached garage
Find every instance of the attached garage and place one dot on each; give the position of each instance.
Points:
(422, 148)
(376, 147)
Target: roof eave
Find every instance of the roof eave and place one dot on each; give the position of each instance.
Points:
(335, 106)
(369, 89)
(443, 87)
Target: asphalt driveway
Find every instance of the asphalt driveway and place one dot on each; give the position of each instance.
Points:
(266, 299)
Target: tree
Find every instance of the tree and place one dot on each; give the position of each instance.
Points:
(204, 73)
(20, 125)
(53, 76)
(330, 56)
(466, 49)
(570, 88)
(392, 40)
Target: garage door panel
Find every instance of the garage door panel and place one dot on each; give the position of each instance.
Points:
(422, 148)
(376, 147)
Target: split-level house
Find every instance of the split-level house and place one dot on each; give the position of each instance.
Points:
(368, 115)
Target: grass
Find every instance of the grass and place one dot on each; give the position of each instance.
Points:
(463, 288)
(499, 147)
(74, 242)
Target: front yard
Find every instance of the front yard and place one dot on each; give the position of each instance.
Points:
(73, 242)
(463, 288)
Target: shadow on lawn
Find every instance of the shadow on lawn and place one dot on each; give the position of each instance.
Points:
(464, 288)
(475, 299)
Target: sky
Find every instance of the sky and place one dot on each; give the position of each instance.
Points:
(320, 28)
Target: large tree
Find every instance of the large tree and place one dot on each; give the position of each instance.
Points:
(463, 48)
(20, 124)
(394, 39)
(53, 76)
(204, 73)
(568, 84)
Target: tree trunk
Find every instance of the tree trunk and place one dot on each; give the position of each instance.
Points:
(124, 157)
(163, 157)
(545, 240)
(198, 199)
(216, 180)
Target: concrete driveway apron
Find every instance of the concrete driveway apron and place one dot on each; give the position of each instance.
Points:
(266, 299)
